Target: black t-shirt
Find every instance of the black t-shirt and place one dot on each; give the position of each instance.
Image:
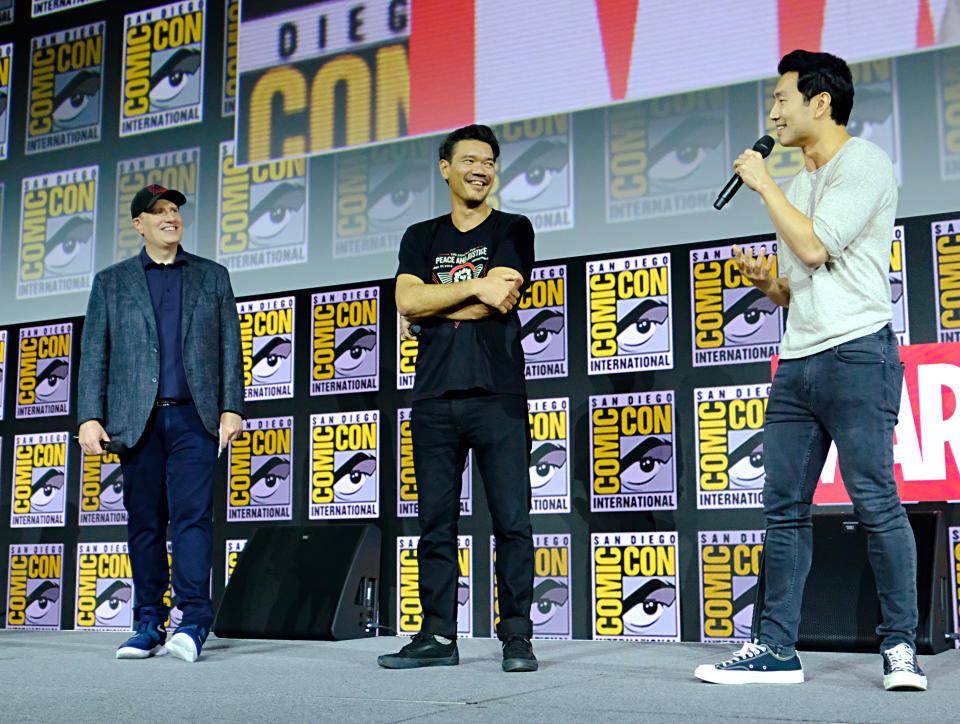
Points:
(466, 355)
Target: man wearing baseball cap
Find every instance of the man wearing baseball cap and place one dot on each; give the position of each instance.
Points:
(161, 384)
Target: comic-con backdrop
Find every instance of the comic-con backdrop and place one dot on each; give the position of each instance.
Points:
(648, 357)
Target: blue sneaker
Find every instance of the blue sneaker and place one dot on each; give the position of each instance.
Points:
(187, 641)
(901, 672)
(149, 638)
(755, 663)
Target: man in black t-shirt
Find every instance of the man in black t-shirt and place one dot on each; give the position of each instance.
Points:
(458, 282)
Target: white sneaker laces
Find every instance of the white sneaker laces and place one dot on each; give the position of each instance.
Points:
(749, 650)
(900, 658)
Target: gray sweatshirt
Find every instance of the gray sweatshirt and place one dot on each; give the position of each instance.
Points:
(852, 200)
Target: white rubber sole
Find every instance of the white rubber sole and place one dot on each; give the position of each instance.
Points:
(182, 646)
(904, 681)
(130, 652)
(710, 673)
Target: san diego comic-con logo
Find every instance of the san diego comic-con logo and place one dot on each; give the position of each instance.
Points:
(551, 610)
(898, 286)
(321, 77)
(104, 595)
(946, 273)
(664, 156)
(629, 302)
(101, 490)
(34, 583)
(379, 192)
(543, 323)
(636, 589)
(65, 100)
(262, 212)
(953, 536)
(47, 7)
(407, 492)
(875, 117)
(344, 465)
(733, 322)
(407, 350)
(549, 421)
(6, 68)
(948, 111)
(345, 341)
(633, 452)
(3, 360)
(729, 431)
(231, 23)
(260, 485)
(43, 370)
(58, 219)
(535, 171)
(39, 491)
(171, 169)
(266, 340)
(729, 564)
(234, 547)
(163, 61)
(409, 610)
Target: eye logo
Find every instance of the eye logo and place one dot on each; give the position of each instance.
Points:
(261, 461)
(352, 475)
(39, 480)
(101, 490)
(543, 318)
(549, 468)
(113, 603)
(550, 609)
(641, 466)
(409, 610)
(43, 607)
(346, 332)
(345, 479)
(353, 356)
(50, 385)
(266, 342)
(163, 52)
(33, 586)
(729, 563)
(43, 384)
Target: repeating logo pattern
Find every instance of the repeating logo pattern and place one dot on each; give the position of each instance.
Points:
(261, 471)
(946, 274)
(407, 493)
(3, 362)
(34, 586)
(178, 170)
(43, 370)
(636, 589)
(345, 465)
(6, 73)
(163, 63)
(231, 23)
(953, 535)
(535, 174)
(39, 491)
(543, 319)
(407, 350)
(409, 610)
(729, 429)
(898, 286)
(629, 313)
(65, 102)
(101, 490)
(551, 610)
(267, 340)
(550, 454)
(262, 213)
(729, 564)
(234, 547)
(733, 322)
(664, 156)
(345, 341)
(58, 219)
(104, 595)
(40, 8)
(632, 452)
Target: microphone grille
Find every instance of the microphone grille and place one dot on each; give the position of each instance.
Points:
(764, 146)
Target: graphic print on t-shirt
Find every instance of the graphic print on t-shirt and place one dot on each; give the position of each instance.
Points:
(453, 267)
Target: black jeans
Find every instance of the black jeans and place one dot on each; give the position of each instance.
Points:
(443, 430)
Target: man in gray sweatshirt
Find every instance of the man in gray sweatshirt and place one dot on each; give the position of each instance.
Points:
(839, 377)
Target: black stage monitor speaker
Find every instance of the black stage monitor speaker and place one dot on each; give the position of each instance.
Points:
(841, 610)
(304, 582)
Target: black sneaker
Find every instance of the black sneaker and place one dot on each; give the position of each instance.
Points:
(754, 663)
(518, 655)
(424, 650)
(901, 671)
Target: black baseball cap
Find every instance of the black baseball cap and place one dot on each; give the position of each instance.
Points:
(149, 195)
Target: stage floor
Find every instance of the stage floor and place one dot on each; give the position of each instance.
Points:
(69, 676)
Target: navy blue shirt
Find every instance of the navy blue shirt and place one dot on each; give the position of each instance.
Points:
(166, 289)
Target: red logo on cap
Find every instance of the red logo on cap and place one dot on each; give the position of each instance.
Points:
(156, 189)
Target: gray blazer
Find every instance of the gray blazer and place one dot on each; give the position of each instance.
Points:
(119, 348)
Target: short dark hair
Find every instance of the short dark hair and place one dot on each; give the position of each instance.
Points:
(473, 132)
(822, 73)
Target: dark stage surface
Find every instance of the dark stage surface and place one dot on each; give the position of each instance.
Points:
(67, 676)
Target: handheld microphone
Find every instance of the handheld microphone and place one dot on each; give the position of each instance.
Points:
(763, 146)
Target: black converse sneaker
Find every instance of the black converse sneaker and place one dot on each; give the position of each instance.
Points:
(424, 650)
(754, 663)
(901, 671)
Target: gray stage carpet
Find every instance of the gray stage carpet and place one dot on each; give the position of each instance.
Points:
(67, 676)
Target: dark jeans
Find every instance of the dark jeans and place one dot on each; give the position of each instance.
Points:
(168, 476)
(443, 430)
(849, 394)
